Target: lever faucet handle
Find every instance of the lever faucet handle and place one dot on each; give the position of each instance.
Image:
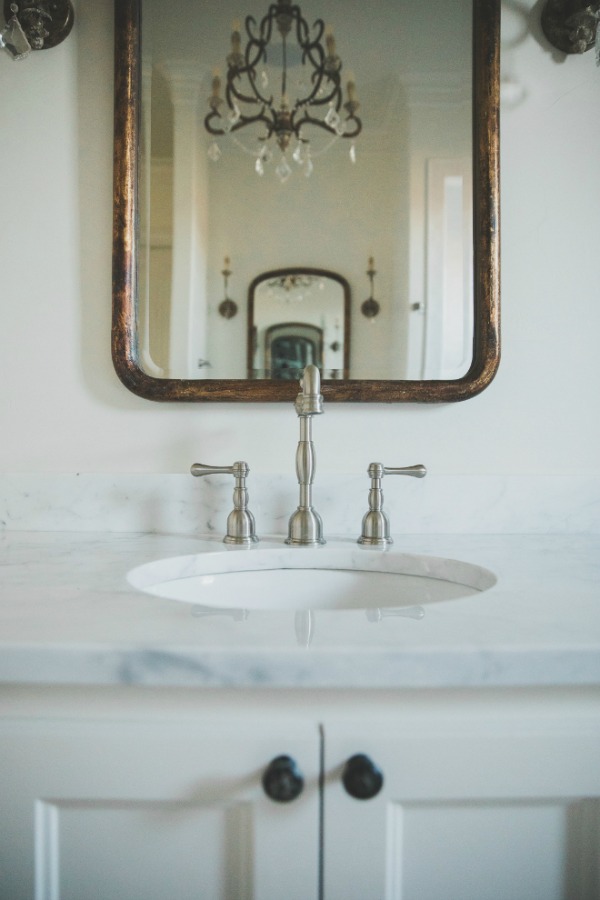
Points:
(375, 524)
(415, 471)
(241, 528)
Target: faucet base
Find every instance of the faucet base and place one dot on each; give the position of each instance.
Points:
(305, 527)
(240, 527)
(375, 529)
(374, 542)
(250, 539)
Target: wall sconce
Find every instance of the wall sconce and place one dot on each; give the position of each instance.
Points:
(572, 27)
(35, 26)
(370, 307)
(227, 307)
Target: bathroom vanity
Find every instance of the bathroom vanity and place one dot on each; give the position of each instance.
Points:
(136, 730)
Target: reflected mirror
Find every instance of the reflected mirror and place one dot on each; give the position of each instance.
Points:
(352, 146)
(296, 317)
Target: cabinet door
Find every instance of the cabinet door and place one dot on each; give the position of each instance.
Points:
(482, 810)
(139, 811)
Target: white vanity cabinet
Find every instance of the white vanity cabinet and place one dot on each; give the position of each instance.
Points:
(136, 795)
(154, 810)
(480, 807)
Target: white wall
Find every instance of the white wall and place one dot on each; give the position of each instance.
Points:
(62, 408)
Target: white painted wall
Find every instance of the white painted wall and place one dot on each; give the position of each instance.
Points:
(62, 408)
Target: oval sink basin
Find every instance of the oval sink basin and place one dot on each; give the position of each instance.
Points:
(285, 578)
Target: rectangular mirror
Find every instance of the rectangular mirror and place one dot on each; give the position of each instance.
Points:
(365, 146)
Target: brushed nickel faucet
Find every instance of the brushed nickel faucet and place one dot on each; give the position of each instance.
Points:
(375, 523)
(305, 525)
(241, 528)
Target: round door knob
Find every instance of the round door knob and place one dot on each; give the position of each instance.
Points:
(361, 777)
(282, 779)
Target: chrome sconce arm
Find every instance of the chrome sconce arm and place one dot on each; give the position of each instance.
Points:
(35, 25)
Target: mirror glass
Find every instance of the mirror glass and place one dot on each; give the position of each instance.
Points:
(389, 210)
(296, 317)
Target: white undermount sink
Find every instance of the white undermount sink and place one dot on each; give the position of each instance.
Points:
(328, 577)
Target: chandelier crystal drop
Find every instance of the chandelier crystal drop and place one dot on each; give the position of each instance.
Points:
(289, 114)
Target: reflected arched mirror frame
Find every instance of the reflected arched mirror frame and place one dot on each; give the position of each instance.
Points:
(297, 316)
(126, 349)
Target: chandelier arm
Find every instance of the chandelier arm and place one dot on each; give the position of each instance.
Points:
(303, 39)
(312, 51)
(310, 48)
(335, 93)
(249, 69)
(260, 54)
(213, 114)
(260, 43)
(265, 28)
(248, 120)
(255, 52)
(319, 123)
(231, 89)
(284, 68)
(243, 121)
(357, 127)
(258, 96)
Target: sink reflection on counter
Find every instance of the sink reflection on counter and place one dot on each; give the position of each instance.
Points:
(305, 619)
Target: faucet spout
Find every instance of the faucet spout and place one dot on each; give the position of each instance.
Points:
(305, 525)
(309, 401)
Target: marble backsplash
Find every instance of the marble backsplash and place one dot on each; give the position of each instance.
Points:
(179, 504)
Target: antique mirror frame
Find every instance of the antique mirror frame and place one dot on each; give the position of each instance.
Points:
(486, 242)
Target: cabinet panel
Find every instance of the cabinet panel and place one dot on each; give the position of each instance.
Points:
(152, 849)
(487, 850)
(488, 813)
(96, 811)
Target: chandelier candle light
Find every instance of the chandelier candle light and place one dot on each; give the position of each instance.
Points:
(281, 120)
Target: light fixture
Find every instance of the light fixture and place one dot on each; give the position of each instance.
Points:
(227, 307)
(38, 25)
(370, 307)
(286, 119)
(572, 26)
(293, 287)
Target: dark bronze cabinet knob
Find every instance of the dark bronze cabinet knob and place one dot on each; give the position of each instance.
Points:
(282, 779)
(361, 777)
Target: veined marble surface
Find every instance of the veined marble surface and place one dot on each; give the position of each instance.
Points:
(68, 615)
(448, 504)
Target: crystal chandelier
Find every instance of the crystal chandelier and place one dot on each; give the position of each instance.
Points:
(283, 122)
(293, 288)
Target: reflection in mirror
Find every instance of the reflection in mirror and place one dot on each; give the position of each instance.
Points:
(401, 190)
(297, 317)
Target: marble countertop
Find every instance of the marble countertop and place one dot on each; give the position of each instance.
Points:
(68, 616)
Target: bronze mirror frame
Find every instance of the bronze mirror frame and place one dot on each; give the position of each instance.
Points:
(486, 242)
